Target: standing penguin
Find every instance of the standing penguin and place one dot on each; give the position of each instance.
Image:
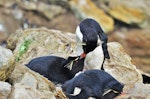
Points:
(89, 35)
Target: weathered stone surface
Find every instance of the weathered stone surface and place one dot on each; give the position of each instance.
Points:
(20, 91)
(136, 43)
(86, 8)
(120, 65)
(6, 63)
(7, 3)
(15, 14)
(48, 10)
(33, 43)
(28, 83)
(136, 91)
(7, 23)
(5, 90)
(128, 11)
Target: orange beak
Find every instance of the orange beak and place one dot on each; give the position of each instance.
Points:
(83, 55)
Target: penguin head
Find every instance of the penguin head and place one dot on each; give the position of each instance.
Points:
(90, 40)
(87, 40)
(113, 88)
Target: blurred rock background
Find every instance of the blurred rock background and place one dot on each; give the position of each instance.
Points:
(127, 21)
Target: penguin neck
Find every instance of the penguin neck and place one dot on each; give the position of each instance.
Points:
(94, 59)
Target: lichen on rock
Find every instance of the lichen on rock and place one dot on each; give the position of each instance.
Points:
(6, 63)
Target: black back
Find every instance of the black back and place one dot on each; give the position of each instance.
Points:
(52, 67)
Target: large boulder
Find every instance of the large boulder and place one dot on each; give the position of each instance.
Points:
(31, 43)
(7, 60)
(120, 65)
(29, 84)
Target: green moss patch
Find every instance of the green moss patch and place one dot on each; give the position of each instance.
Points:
(23, 49)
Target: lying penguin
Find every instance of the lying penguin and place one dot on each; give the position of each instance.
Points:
(92, 83)
(55, 68)
(89, 35)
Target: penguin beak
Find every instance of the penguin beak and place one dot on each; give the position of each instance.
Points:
(83, 55)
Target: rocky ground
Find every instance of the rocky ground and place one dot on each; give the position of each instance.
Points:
(22, 39)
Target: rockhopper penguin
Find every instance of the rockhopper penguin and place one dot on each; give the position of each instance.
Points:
(92, 83)
(53, 67)
(89, 35)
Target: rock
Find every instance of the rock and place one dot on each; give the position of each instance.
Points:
(5, 90)
(120, 65)
(7, 3)
(6, 63)
(32, 43)
(86, 8)
(32, 85)
(136, 43)
(8, 24)
(128, 11)
(48, 10)
(24, 92)
(64, 22)
(136, 91)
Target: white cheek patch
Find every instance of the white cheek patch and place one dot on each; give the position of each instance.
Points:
(77, 91)
(79, 35)
(79, 40)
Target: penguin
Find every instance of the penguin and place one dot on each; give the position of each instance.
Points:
(95, 84)
(89, 35)
(54, 67)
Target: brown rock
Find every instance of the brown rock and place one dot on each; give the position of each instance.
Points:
(32, 43)
(20, 91)
(86, 8)
(128, 11)
(48, 10)
(120, 65)
(126, 14)
(7, 3)
(5, 90)
(8, 24)
(6, 63)
(28, 83)
(136, 43)
(136, 91)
